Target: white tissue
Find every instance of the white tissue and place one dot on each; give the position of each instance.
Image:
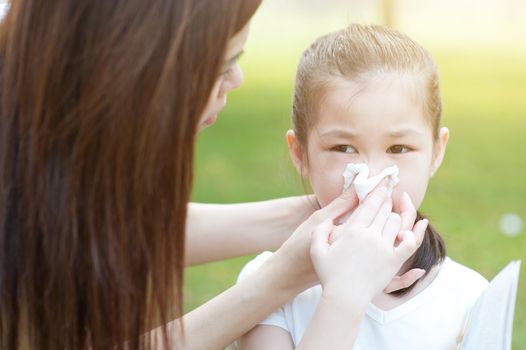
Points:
(357, 175)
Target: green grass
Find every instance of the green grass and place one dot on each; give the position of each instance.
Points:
(244, 158)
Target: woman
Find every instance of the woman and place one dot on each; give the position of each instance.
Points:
(101, 103)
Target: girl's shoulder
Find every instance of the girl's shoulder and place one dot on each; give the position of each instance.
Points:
(455, 288)
(253, 265)
(452, 276)
(304, 302)
(461, 277)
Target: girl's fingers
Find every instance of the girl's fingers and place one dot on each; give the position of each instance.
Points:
(407, 212)
(392, 227)
(404, 281)
(368, 209)
(380, 220)
(411, 240)
(407, 245)
(419, 230)
(320, 239)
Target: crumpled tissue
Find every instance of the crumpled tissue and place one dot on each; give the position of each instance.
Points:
(357, 175)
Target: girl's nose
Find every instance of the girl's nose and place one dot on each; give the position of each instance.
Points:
(377, 167)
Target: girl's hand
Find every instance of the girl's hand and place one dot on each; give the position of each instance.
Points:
(363, 259)
(408, 215)
(294, 253)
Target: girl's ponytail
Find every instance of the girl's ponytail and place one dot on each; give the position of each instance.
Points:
(431, 252)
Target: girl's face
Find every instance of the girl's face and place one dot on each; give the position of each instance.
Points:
(379, 123)
(231, 77)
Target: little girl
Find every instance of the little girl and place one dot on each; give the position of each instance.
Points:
(369, 96)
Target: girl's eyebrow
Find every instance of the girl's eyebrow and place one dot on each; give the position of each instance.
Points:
(339, 133)
(404, 132)
(342, 133)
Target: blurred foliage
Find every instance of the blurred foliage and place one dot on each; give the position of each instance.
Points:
(244, 158)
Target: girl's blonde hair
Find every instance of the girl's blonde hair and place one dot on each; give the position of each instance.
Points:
(359, 53)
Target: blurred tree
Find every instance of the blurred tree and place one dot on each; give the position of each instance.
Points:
(388, 13)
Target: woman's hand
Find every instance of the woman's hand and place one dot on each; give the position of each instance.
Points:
(369, 248)
(292, 260)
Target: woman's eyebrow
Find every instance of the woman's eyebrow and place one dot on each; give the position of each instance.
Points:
(234, 58)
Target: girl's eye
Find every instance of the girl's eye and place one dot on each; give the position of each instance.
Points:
(344, 149)
(396, 149)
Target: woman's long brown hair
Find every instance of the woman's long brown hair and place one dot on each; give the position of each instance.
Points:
(100, 102)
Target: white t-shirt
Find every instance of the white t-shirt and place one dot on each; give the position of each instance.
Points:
(432, 319)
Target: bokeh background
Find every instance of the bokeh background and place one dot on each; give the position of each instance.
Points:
(478, 198)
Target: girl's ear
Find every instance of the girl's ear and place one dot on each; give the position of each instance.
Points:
(440, 149)
(296, 153)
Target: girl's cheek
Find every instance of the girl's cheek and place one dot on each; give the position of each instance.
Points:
(416, 189)
(328, 187)
(328, 197)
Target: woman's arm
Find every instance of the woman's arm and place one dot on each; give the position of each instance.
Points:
(222, 231)
(264, 337)
(220, 321)
(225, 318)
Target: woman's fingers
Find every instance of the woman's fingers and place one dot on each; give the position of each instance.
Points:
(320, 239)
(404, 281)
(342, 205)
